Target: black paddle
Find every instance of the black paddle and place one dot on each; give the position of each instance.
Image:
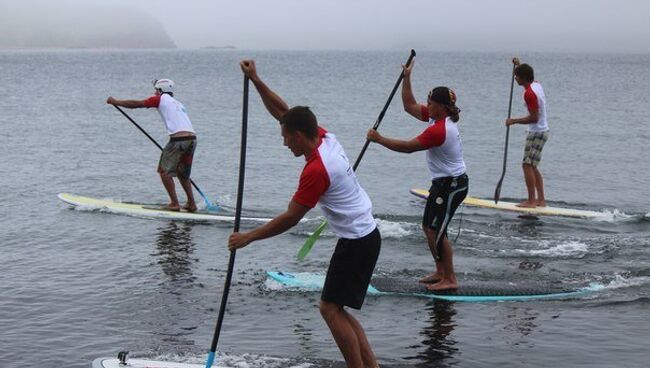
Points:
(304, 250)
(383, 111)
(240, 197)
(208, 204)
(497, 191)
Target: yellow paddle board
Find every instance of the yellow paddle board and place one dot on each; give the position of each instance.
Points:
(510, 206)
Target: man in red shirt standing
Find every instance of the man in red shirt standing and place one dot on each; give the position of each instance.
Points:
(327, 179)
(176, 157)
(537, 133)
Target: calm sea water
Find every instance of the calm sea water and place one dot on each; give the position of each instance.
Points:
(76, 285)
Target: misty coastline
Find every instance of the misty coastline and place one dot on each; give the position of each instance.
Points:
(27, 26)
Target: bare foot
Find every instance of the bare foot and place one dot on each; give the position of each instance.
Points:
(189, 208)
(540, 203)
(172, 207)
(443, 285)
(527, 204)
(431, 278)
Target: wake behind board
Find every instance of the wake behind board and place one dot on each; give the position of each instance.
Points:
(148, 211)
(510, 206)
(469, 291)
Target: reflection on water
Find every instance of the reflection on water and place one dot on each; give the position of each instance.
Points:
(175, 248)
(520, 323)
(304, 335)
(439, 348)
(171, 314)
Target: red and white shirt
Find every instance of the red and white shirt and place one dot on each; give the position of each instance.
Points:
(444, 147)
(172, 113)
(535, 100)
(328, 179)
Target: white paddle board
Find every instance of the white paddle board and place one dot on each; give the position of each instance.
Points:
(141, 363)
(147, 211)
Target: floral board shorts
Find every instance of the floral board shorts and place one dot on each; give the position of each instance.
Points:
(534, 144)
(176, 157)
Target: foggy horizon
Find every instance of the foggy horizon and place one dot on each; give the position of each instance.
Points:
(465, 25)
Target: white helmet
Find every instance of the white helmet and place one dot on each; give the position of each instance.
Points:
(164, 85)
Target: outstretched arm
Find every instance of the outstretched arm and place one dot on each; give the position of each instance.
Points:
(129, 104)
(272, 101)
(278, 225)
(411, 105)
(396, 145)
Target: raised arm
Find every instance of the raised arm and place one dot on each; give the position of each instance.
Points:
(272, 101)
(411, 105)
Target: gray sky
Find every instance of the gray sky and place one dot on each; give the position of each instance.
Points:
(459, 25)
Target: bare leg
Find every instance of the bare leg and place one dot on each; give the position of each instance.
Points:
(367, 355)
(168, 183)
(448, 281)
(190, 206)
(338, 321)
(529, 176)
(431, 242)
(539, 186)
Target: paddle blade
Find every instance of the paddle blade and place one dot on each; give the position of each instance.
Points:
(306, 248)
(212, 207)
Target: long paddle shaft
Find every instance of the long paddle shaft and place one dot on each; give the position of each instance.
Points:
(208, 204)
(383, 111)
(304, 250)
(497, 191)
(240, 197)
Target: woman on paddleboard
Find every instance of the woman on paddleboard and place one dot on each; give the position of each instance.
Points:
(449, 183)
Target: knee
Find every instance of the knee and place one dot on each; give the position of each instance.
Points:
(428, 231)
(328, 310)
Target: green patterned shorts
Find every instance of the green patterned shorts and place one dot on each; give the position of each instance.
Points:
(534, 144)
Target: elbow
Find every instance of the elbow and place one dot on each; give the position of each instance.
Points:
(279, 112)
(293, 221)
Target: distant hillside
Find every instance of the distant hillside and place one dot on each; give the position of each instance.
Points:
(77, 24)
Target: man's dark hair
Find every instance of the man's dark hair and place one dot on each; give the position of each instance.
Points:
(525, 72)
(300, 119)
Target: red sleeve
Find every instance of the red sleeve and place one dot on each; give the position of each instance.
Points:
(152, 101)
(531, 100)
(424, 112)
(433, 136)
(314, 181)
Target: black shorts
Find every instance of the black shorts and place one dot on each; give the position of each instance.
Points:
(445, 195)
(350, 270)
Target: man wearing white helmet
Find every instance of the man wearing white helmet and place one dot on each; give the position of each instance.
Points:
(176, 157)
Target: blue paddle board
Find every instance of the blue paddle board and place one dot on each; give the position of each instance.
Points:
(469, 291)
